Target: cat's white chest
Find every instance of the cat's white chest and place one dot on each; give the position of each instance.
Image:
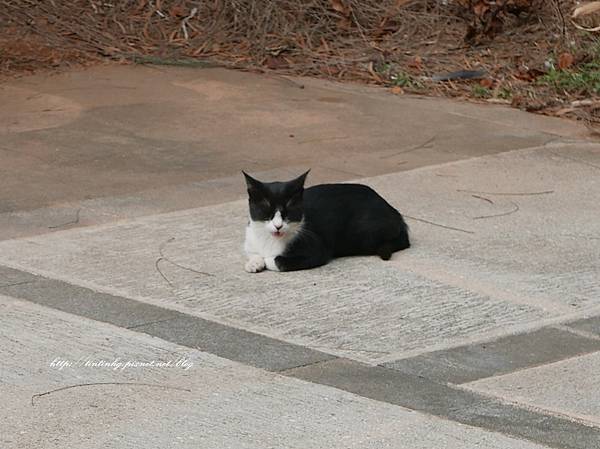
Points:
(259, 241)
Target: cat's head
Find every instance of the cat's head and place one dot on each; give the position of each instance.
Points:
(276, 205)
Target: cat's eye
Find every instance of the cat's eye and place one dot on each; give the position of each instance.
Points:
(293, 201)
(260, 200)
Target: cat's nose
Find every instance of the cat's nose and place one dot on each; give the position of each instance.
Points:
(278, 227)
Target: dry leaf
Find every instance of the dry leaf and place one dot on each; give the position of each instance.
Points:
(339, 6)
(275, 62)
(344, 23)
(528, 75)
(480, 9)
(565, 61)
(177, 11)
(416, 63)
(486, 82)
(397, 90)
(330, 70)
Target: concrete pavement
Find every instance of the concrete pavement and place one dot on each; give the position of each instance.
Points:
(156, 140)
(122, 222)
(214, 403)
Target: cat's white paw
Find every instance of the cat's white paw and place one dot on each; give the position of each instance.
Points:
(255, 264)
(270, 264)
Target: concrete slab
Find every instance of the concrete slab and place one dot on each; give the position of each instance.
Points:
(117, 131)
(569, 387)
(508, 274)
(362, 308)
(458, 405)
(422, 390)
(213, 403)
(534, 229)
(228, 342)
(469, 363)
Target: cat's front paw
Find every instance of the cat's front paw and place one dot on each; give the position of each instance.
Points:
(255, 264)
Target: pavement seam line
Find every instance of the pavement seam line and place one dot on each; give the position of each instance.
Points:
(287, 371)
(491, 359)
(585, 334)
(529, 407)
(518, 329)
(135, 326)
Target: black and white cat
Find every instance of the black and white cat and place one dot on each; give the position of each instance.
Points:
(292, 228)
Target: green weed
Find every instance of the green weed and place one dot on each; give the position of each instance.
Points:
(584, 80)
(480, 91)
(403, 79)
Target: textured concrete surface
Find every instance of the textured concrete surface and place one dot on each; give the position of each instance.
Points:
(421, 383)
(213, 403)
(121, 186)
(351, 308)
(569, 387)
(163, 139)
(458, 405)
(510, 272)
(229, 342)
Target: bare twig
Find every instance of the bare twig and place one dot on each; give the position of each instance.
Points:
(157, 266)
(186, 20)
(545, 192)
(502, 214)
(166, 259)
(166, 387)
(426, 144)
(321, 139)
(563, 22)
(483, 198)
(439, 225)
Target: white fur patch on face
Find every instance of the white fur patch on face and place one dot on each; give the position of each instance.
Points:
(277, 221)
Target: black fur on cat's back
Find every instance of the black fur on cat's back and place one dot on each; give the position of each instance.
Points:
(344, 220)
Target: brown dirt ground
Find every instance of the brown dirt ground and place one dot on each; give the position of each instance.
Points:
(399, 44)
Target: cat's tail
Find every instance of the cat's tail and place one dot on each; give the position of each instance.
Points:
(389, 247)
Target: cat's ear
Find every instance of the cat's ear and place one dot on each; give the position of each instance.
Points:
(254, 186)
(298, 183)
(251, 183)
